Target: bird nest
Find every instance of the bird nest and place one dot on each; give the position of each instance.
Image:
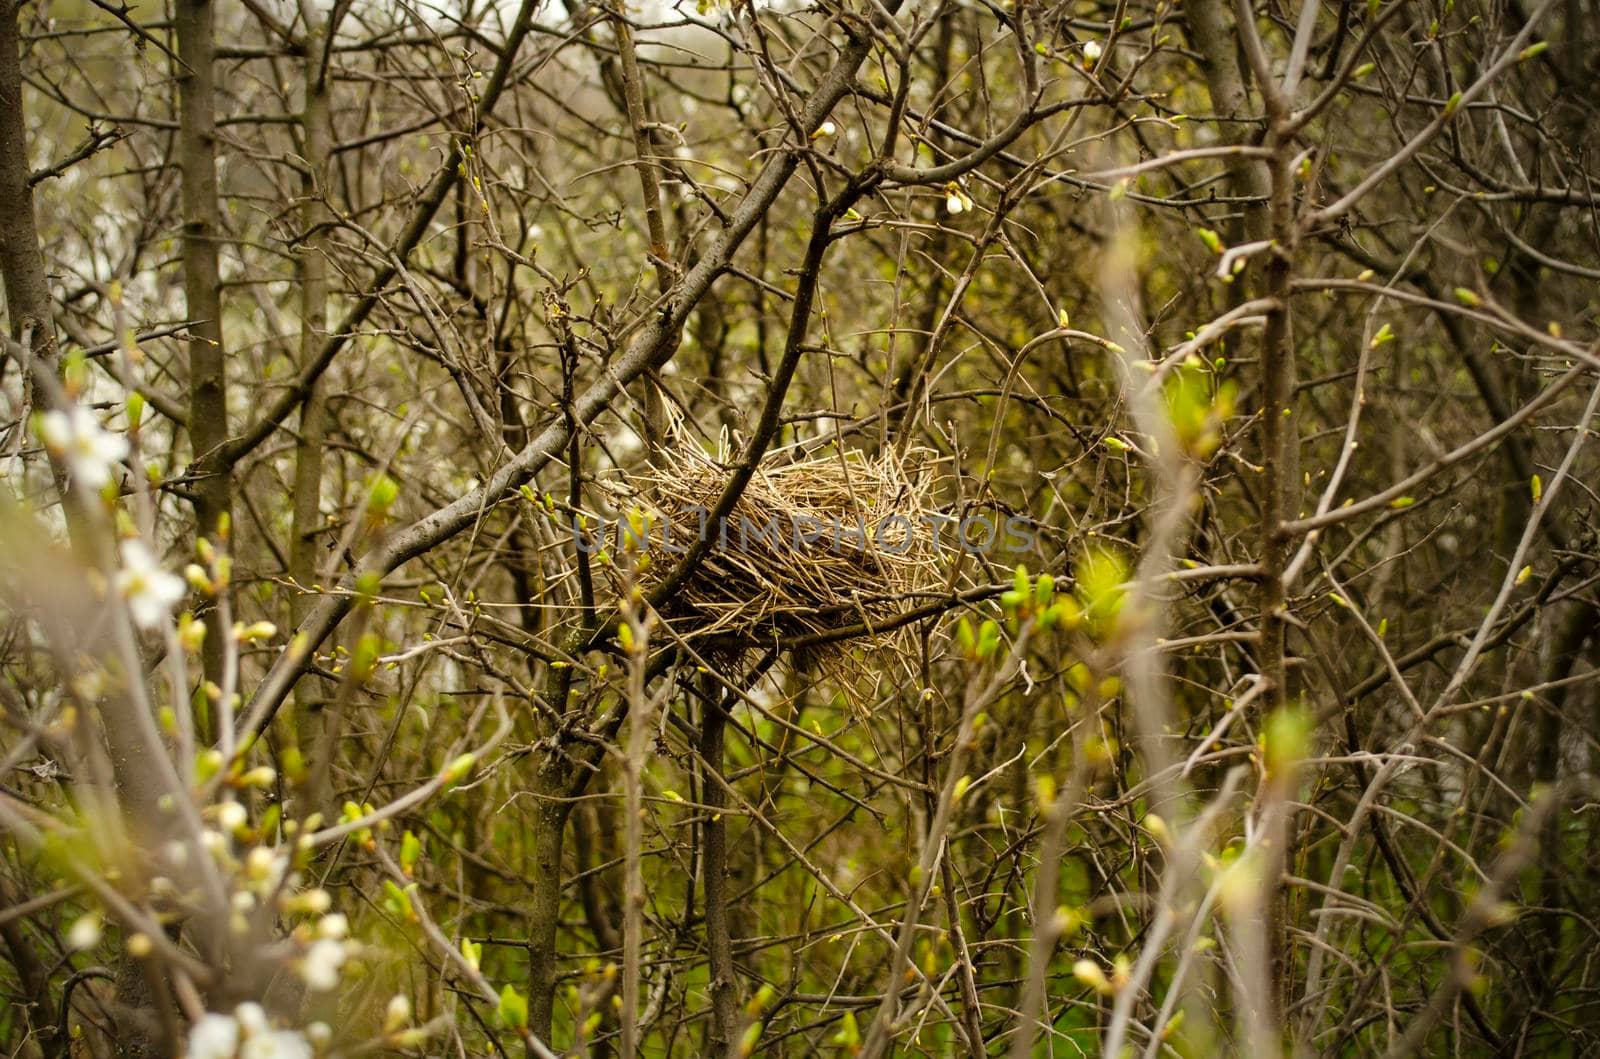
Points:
(818, 552)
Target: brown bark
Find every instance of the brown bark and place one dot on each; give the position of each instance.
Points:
(35, 980)
(1211, 28)
(724, 991)
(27, 292)
(202, 230)
(655, 416)
(312, 723)
(31, 323)
(544, 912)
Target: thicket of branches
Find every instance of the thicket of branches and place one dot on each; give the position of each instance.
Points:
(337, 332)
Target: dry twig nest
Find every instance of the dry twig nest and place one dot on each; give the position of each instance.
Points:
(828, 545)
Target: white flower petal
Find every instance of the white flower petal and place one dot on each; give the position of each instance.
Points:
(252, 1016)
(320, 967)
(280, 1044)
(213, 1037)
(88, 450)
(55, 430)
(84, 934)
(232, 816)
(90, 472)
(397, 1016)
(106, 446)
(150, 591)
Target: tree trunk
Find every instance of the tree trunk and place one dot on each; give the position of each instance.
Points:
(724, 988)
(312, 722)
(202, 229)
(544, 913)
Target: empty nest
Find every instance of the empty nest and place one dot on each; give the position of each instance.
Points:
(820, 550)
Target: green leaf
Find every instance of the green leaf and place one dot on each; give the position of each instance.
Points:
(1196, 408)
(849, 1033)
(410, 851)
(1043, 590)
(382, 494)
(457, 770)
(1101, 575)
(397, 902)
(513, 1010)
(1288, 739)
(988, 638)
(1066, 614)
(965, 639)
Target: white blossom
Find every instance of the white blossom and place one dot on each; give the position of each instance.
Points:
(398, 1014)
(231, 816)
(149, 590)
(954, 202)
(1092, 50)
(334, 926)
(251, 1016)
(279, 1044)
(320, 967)
(84, 934)
(827, 128)
(315, 901)
(213, 1037)
(260, 862)
(245, 1034)
(89, 451)
(265, 868)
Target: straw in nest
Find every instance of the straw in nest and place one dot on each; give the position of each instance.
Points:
(814, 546)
